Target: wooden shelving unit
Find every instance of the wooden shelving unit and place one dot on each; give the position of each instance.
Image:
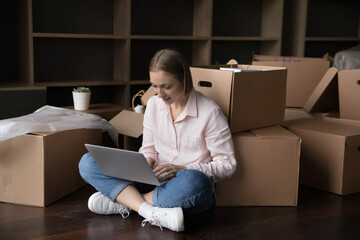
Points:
(107, 44)
(313, 28)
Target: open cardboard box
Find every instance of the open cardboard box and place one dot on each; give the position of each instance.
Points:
(323, 100)
(39, 168)
(129, 124)
(267, 171)
(253, 98)
(338, 95)
(330, 154)
(303, 75)
(331, 145)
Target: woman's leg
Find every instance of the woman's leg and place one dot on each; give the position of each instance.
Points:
(91, 173)
(191, 190)
(117, 193)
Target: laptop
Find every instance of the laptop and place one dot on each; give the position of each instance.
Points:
(125, 164)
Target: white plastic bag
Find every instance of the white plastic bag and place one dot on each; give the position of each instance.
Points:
(348, 59)
(51, 119)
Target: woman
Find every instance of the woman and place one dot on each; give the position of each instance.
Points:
(187, 142)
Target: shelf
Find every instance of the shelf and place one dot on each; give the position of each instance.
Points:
(20, 87)
(234, 38)
(76, 83)
(332, 39)
(139, 82)
(73, 35)
(168, 37)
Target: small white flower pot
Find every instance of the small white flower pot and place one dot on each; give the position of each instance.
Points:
(81, 100)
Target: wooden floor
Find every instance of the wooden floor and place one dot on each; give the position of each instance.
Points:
(319, 215)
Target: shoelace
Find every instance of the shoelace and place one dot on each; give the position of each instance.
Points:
(153, 221)
(124, 211)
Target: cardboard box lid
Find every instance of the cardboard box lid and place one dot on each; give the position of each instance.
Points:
(351, 134)
(273, 132)
(325, 97)
(128, 123)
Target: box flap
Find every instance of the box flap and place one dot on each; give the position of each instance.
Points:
(296, 113)
(349, 94)
(147, 95)
(326, 127)
(128, 123)
(325, 97)
(353, 141)
(42, 134)
(273, 132)
(335, 118)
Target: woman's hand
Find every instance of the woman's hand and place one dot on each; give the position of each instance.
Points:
(167, 171)
(151, 162)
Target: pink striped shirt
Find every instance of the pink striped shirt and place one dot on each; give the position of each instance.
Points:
(199, 138)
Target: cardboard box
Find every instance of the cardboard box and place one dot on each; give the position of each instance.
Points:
(39, 168)
(349, 94)
(337, 92)
(303, 75)
(267, 172)
(254, 98)
(129, 124)
(330, 155)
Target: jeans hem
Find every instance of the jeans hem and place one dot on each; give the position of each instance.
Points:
(117, 190)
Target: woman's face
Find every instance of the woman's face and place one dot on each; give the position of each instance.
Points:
(168, 88)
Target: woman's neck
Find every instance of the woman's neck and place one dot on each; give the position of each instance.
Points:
(177, 108)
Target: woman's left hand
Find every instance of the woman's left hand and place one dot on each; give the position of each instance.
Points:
(167, 171)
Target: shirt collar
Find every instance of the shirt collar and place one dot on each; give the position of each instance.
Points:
(190, 108)
(191, 105)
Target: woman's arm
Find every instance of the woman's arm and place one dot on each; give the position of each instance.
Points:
(219, 142)
(148, 145)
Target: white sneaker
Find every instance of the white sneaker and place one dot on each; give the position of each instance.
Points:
(171, 218)
(101, 204)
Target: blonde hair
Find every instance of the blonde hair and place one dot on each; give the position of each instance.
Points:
(172, 61)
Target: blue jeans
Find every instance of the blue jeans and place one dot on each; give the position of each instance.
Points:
(191, 190)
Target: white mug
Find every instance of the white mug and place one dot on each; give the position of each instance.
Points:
(140, 109)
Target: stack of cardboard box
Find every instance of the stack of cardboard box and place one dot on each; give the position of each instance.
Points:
(329, 125)
(253, 99)
(330, 130)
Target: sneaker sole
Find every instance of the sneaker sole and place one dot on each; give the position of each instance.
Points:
(180, 220)
(91, 200)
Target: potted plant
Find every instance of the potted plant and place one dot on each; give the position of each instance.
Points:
(81, 97)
